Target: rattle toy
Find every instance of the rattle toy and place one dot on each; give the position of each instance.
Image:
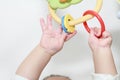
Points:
(68, 22)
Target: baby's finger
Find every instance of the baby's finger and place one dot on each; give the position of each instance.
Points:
(106, 34)
(92, 36)
(64, 36)
(97, 31)
(42, 23)
(92, 32)
(69, 36)
(49, 22)
(59, 30)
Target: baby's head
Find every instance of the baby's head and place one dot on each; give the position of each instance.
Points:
(56, 77)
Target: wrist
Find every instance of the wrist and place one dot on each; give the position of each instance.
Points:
(104, 62)
(101, 50)
(46, 51)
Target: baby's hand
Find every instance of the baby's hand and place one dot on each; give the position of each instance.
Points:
(53, 40)
(101, 43)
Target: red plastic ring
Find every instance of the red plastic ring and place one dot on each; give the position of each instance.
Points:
(91, 12)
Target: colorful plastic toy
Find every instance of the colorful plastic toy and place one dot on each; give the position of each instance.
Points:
(55, 4)
(67, 22)
(98, 17)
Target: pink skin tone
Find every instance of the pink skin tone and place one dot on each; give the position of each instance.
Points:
(55, 38)
(102, 53)
(96, 43)
(52, 41)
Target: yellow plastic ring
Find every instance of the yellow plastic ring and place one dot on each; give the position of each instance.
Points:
(79, 20)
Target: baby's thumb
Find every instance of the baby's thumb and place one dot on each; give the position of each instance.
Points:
(92, 32)
(92, 36)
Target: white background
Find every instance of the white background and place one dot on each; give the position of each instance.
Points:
(20, 32)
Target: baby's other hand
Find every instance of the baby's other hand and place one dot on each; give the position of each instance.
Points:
(101, 43)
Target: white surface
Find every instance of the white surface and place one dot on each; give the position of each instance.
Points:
(118, 2)
(20, 32)
(118, 15)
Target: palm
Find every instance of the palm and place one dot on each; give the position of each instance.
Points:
(53, 40)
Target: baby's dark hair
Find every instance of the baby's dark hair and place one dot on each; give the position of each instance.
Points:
(53, 75)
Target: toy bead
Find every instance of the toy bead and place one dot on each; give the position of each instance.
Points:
(70, 28)
(99, 19)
